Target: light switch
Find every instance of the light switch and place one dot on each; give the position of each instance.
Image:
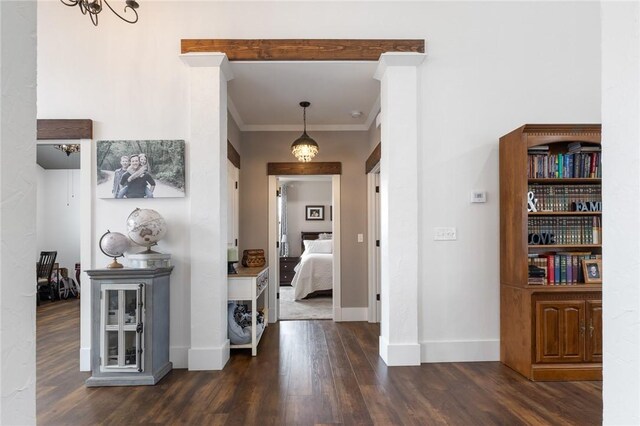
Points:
(361, 238)
(444, 234)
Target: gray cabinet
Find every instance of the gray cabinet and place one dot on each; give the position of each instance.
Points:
(130, 326)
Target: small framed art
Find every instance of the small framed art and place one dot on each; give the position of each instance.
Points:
(314, 212)
(592, 269)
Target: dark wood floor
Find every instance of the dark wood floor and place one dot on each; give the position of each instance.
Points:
(306, 372)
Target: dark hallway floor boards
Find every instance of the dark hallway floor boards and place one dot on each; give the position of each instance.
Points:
(306, 372)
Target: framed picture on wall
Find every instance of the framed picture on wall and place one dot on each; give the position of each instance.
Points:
(140, 169)
(314, 212)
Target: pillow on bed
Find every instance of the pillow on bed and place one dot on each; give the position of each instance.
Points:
(325, 236)
(318, 246)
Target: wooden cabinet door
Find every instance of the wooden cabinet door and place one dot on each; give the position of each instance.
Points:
(594, 331)
(560, 331)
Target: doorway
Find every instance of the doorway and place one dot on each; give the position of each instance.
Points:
(78, 131)
(304, 218)
(330, 223)
(373, 255)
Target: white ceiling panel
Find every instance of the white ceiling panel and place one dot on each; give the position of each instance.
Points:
(266, 95)
(49, 157)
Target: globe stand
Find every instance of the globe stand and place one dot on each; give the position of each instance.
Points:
(115, 264)
(149, 251)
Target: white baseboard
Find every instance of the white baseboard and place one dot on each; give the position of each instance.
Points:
(460, 351)
(179, 356)
(353, 314)
(85, 359)
(399, 354)
(211, 358)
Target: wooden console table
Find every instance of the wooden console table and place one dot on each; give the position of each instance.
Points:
(249, 284)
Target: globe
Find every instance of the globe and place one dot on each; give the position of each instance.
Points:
(114, 244)
(146, 227)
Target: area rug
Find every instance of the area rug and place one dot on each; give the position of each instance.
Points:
(320, 307)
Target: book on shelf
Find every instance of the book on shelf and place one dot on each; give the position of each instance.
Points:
(543, 165)
(564, 230)
(560, 268)
(574, 147)
(566, 198)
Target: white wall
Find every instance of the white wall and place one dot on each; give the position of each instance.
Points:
(620, 190)
(17, 212)
(491, 67)
(58, 215)
(497, 68)
(299, 195)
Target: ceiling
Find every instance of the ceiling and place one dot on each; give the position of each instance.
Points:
(49, 157)
(265, 96)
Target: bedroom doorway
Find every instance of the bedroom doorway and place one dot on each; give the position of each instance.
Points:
(305, 244)
(304, 227)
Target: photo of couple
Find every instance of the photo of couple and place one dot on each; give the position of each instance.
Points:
(140, 169)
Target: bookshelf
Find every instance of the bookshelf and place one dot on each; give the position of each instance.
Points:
(550, 218)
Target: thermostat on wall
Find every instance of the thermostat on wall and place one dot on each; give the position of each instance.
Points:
(479, 196)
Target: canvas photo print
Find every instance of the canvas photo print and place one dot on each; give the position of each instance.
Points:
(140, 169)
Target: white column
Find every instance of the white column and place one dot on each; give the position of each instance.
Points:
(17, 212)
(398, 75)
(207, 153)
(88, 181)
(621, 207)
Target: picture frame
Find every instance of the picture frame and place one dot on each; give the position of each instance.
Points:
(314, 212)
(150, 169)
(592, 270)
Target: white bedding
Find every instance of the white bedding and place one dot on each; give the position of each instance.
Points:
(313, 273)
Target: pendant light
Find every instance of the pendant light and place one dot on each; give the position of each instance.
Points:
(68, 148)
(304, 148)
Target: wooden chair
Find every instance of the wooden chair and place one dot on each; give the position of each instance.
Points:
(44, 271)
(78, 273)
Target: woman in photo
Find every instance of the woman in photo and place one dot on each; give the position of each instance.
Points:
(137, 182)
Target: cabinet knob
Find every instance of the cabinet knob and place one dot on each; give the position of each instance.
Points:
(582, 328)
(591, 328)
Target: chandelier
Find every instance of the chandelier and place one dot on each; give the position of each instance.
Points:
(304, 148)
(94, 7)
(68, 148)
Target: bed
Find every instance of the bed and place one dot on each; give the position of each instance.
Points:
(314, 273)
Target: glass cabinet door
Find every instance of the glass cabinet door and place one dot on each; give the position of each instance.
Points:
(122, 327)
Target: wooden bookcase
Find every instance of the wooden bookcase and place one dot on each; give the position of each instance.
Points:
(549, 331)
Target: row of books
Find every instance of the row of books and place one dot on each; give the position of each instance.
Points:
(578, 165)
(564, 230)
(564, 198)
(561, 268)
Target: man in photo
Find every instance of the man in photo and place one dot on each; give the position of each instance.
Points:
(136, 182)
(117, 175)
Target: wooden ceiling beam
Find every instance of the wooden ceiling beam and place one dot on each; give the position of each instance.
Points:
(64, 129)
(301, 49)
(373, 159)
(313, 168)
